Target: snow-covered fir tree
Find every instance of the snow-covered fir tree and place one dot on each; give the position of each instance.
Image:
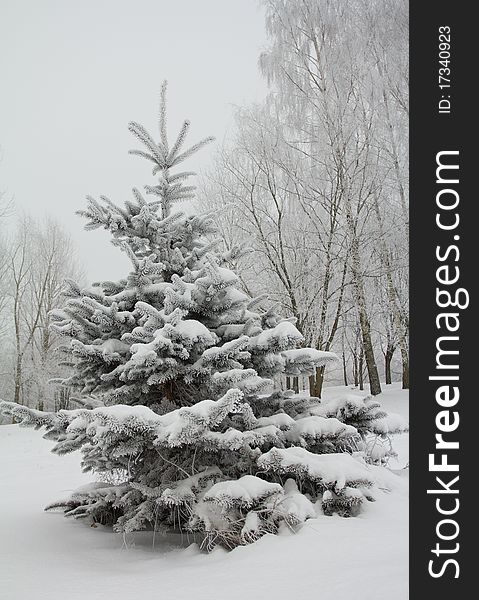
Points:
(173, 367)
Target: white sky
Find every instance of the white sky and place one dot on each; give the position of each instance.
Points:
(73, 73)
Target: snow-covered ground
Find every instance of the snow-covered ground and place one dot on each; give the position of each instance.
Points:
(45, 556)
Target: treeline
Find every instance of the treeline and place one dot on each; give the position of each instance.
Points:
(35, 259)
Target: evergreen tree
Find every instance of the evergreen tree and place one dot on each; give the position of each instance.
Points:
(174, 367)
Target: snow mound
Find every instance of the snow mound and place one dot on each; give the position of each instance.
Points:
(320, 427)
(329, 471)
(280, 338)
(192, 331)
(245, 491)
(296, 506)
(279, 420)
(391, 424)
(305, 360)
(117, 419)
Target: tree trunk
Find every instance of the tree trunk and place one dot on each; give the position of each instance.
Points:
(388, 356)
(373, 375)
(361, 371)
(405, 370)
(17, 395)
(316, 382)
(296, 384)
(168, 391)
(345, 372)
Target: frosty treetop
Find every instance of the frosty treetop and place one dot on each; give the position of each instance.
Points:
(179, 318)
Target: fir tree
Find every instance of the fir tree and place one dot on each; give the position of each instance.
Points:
(174, 367)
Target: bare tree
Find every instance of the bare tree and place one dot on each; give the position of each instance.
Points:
(41, 258)
(262, 192)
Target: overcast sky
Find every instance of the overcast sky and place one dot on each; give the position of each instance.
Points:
(73, 73)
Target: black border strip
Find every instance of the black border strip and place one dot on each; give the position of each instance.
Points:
(432, 132)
